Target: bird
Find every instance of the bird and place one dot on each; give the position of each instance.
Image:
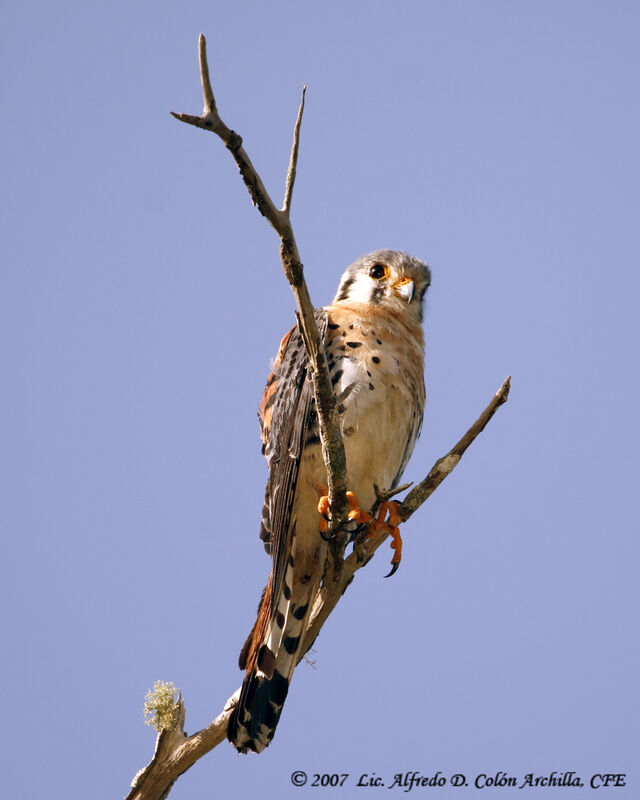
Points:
(374, 343)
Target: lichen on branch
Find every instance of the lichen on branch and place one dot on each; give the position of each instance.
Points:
(161, 706)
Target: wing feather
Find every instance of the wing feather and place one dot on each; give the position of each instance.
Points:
(286, 415)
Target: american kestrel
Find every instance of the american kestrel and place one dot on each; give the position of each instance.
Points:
(372, 334)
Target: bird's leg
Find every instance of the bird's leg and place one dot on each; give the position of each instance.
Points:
(390, 526)
(356, 514)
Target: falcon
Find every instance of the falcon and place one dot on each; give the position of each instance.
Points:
(373, 339)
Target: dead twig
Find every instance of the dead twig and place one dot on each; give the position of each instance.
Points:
(445, 465)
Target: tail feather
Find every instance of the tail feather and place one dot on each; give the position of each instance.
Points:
(254, 720)
(270, 657)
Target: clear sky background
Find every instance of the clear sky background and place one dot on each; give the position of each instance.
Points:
(142, 299)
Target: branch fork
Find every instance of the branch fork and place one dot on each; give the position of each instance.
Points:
(175, 752)
(280, 220)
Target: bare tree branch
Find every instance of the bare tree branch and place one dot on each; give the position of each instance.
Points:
(293, 160)
(445, 465)
(209, 108)
(175, 752)
(329, 423)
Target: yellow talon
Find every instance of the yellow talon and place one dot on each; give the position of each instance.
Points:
(381, 522)
(390, 525)
(355, 512)
(323, 510)
(323, 506)
(394, 518)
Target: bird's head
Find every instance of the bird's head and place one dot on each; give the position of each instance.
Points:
(390, 279)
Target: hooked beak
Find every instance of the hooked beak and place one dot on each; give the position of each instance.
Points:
(406, 288)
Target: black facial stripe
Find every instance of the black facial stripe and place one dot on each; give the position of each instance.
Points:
(376, 295)
(344, 289)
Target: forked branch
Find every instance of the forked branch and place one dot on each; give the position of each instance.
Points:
(175, 751)
(329, 425)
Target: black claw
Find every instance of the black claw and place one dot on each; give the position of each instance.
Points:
(394, 569)
(356, 531)
(328, 536)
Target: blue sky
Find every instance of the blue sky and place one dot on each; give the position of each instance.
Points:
(142, 300)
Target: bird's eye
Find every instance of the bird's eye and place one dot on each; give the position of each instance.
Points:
(377, 271)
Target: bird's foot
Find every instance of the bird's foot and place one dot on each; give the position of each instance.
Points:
(356, 514)
(382, 523)
(323, 510)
